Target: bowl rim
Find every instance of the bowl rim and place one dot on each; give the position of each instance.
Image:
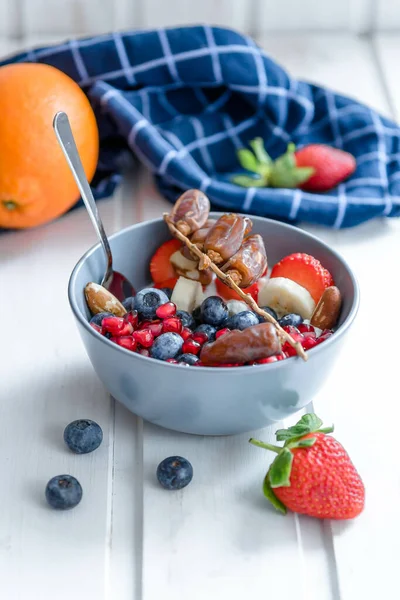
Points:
(268, 366)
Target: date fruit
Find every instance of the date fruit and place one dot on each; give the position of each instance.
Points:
(249, 263)
(226, 236)
(253, 343)
(190, 211)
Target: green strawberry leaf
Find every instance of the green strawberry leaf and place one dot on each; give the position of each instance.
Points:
(307, 443)
(248, 160)
(269, 493)
(285, 173)
(246, 181)
(308, 423)
(279, 473)
(262, 155)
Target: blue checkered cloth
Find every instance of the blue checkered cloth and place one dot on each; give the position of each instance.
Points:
(184, 100)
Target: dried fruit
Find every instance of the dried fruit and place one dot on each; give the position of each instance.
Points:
(190, 211)
(248, 264)
(226, 236)
(327, 311)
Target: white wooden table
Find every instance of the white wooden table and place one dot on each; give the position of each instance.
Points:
(218, 538)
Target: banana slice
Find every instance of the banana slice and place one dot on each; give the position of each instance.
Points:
(187, 294)
(286, 296)
(184, 266)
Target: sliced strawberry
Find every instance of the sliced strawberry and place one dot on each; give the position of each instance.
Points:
(160, 266)
(167, 283)
(228, 294)
(305, 270)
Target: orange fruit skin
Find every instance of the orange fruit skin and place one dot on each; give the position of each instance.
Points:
(36, 185)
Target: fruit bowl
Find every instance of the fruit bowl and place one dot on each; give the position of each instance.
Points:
(208, 401)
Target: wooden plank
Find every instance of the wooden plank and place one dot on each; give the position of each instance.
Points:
(65, 16)
(387, 15)
(9, 26)
(229, 13)
(49, 383)
(307, 15)
(225, 498)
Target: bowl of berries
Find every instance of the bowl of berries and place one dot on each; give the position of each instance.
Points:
(235, 321)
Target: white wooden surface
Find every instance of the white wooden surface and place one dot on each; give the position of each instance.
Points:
(129, 539)
(19, 18)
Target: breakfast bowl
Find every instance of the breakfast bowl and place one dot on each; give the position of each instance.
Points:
(207, 400)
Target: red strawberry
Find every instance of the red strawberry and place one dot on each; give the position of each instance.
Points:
(313, 474)
(305, 270)
(160, 266)
(331, 166)
(168, 283)
(228, 294)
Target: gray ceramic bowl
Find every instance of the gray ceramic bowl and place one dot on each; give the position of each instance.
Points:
(208, 401)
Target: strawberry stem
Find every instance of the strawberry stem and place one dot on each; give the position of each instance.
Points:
(266, 446)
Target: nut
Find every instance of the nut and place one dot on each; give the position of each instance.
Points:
(326, 313)
(101, 300)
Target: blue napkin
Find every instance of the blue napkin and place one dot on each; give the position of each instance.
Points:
(184, 100)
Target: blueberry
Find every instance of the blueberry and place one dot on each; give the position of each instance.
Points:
(188, 359)
(186, 318)
(174, 473)
(291, 319)
(269, 311)
(167, 345)
(83, 436)
(242, 320)
(148, 300)
(167, 292)
(129, 303)
(208, 330)
(214, 311)
(97, 319)
(197, 315)
(63, 492)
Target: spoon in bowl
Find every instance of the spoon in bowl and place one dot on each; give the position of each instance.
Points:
(113, 281)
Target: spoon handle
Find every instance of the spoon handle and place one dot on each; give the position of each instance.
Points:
(66, 140)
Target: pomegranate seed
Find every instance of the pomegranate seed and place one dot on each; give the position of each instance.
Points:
(144, 352)
(222, 332)
(293, 331)
(265, 361)
(156, 327)
(166, 310)
(304, 328)
(116, 326)
(125, 341)
(230, 365)
(172, 324)
(186, 333)
(289, 350)
(308, 343)
(95, 327)
(324, 336)
(309, 334)
(190, 347)
(133, 318)
(200, 337)
(144, 337)
(145, 324)
(172, 361)
(281, 356)
(198, 364)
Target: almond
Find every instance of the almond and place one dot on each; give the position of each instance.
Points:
(327, 311)
(101, 300)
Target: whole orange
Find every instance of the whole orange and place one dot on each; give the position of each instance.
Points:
(36, 184)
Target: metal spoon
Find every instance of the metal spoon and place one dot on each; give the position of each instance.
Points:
(113, 281)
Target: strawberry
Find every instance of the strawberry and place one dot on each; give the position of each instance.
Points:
(331, 166)
(305, 270)
(160, 266)
(167, 283)
(316, 167)
(312, 474)
(228, 294)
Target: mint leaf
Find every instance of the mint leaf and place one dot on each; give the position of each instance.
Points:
(279, 473)
(269, 493)
(246, 181)
(262, 155)
(248, 160)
